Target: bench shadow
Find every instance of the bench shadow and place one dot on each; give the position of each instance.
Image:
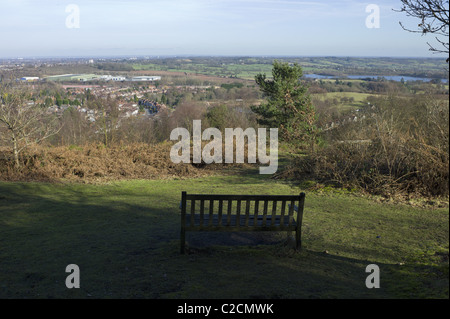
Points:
(207, 239)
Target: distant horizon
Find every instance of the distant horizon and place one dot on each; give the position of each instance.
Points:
(170, 28)
(214, 56)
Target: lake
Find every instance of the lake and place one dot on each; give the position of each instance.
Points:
(397, 78)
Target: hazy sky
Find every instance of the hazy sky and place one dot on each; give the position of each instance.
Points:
(204, 27)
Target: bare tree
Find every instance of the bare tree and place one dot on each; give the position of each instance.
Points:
(22, 123)
(107, 117)
(433, 16)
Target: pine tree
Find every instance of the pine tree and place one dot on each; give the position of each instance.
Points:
(288, 105)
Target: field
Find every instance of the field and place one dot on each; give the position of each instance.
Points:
(124, 236)
(348, 101)
(247, 72)
(248, 67)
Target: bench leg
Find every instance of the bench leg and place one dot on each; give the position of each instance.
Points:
(183, 241)
(298, 231)
(298, 238)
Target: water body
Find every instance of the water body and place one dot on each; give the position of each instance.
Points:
(397, 78)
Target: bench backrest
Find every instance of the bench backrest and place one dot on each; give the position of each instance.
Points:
(241, 210)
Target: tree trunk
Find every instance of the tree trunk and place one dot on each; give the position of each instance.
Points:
(15, 151)
(104, 128)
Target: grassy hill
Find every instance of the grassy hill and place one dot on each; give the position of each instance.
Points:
(124, 236)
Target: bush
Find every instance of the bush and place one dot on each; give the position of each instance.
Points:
(402, 148)
(95, 162)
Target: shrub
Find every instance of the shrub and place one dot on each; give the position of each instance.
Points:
(402, 148)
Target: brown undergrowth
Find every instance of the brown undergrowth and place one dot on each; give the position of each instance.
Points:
(97, 163)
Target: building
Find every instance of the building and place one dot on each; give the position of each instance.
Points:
(58, 78)
(29, 78)
(106, 77)
(86, 77)
(145, 78)
(72, 77)
(119, 78)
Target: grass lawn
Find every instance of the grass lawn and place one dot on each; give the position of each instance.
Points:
(359, 100)
(358, 97)
(124, 236)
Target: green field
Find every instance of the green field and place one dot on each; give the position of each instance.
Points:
(248, 67)
(230, 70)
(124, 236)
(345, 106)
(358, 97)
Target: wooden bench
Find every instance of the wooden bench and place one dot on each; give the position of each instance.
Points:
(239, 213)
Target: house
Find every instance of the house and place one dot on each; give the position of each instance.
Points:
(29, 78)
(119, 78)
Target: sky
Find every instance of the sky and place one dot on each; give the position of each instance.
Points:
(93, 28)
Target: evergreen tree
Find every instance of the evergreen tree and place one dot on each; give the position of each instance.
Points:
(288, 105)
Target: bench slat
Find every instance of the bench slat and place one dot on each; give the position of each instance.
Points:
(238, 212)
(192, 211)
(266, 203)
(247, 212)
(283, 208)
(220, 211)
(202, 211)
(211, 211)
(291, 212)
(256, 210)
(230, 203)
(274, 210)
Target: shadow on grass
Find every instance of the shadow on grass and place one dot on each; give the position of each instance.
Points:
(248, 174)
(127, 246)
